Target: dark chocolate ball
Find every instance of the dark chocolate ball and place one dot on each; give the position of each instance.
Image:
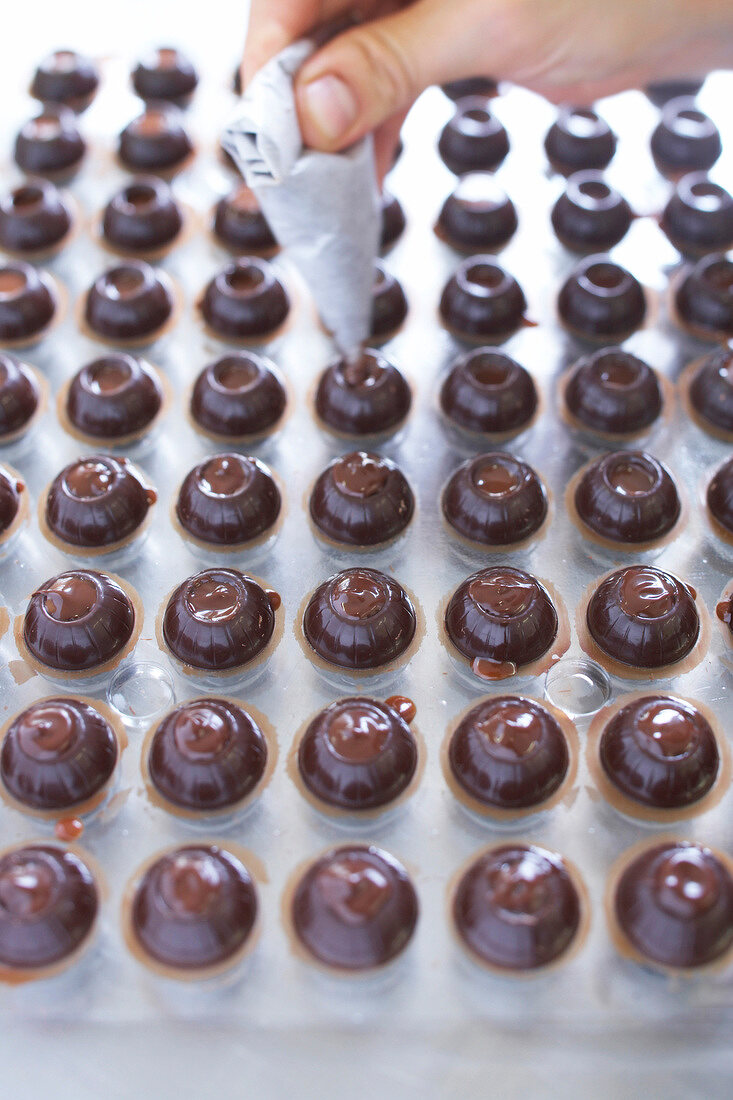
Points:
(590, 215)
(97, 502)
(601, 301)
(57, 754)
(470, 86)
(238, 396)
(113, 398)
(218, 620)
(698, 217)
(685, 139)
(486, 391)
(34, 218)
(495, 500)
(500, 619)
(643, 617)
(165, 74)
(478, 215)
(194, 908)
(361, 499)
(66, 77)
(240, 225)
(474, 140)
(661, 91)
(719, 495)
(245, 301)
(27, 301)
(627, 497)
(359, 619)
(48, 906)
(579, 138)
(355, 908)
(674, 905)
(11, 491)
(228, 500)
(155, 141)
(362, 398)
(20, 397)
(660, 752)
(132, 301)
(50, 144)
(78, 621)
(393, 220)
(143, 216)
(207, 755)
(389, 305)
(704, 298)
(358, 754)
(613, 392)
(481, 301)
(509, 753)
(517, 908)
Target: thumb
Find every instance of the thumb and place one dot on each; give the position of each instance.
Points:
(372, 72)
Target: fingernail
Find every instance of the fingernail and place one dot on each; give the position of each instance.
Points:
(330, 105)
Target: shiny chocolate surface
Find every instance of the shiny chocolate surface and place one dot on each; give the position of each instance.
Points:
(155, 141)
(579, 138)
(228, 499)
(478, 215)
(601, 300)
(27, 301)
(704, 297)
(685, 139)
(142, 216)
(366, 397)
(97, 501)
(246, 300)
(240, 225)
(627, 497)
(495, 499)
(698, 217)
(361, 499)
(165, 74)
(50, 144)
(34, 217)
(590, 215)
(487, 391)
(113, 397)
(238, 395)
(128, 302)
(66, 77)
(19, 396)
(482, 301)
(389, 304)
(474, 140)
(614, 392)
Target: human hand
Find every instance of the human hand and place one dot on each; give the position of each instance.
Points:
(367, 77)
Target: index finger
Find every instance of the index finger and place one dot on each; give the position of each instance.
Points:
(274, 24)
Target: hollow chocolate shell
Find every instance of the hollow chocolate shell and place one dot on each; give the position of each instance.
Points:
(20, 397)
(142, 217)
(660, 752)
(719, 496)
(78, 621)
(495, 500)
(613, 392)
(240, 225)
(590, 215)
(132, 302)
(113, 398)
(481, 301)
(97, 503)
(673, 906)
(207, 755)
(155, 141)
(218, 620)
(509, 753)
(34, 219)
(57, 754)
(50, 144)
(354, 909)
(579, 138)
(601, 301)
(627, 497)
(361, 499)
(478, 215)
(194, 909)
(685, 139)
(48, 907)
(28, 302)
(389, 305)
(470, 86)
(66, 77)
(165, 74)
(704, 298)
(517, 908)
(393, 220)
(245, 301)
(356, 755)
(486, 391)
(661, 91)
(228, 500)
(710, 390)
(643, 617)
(698, 217)
(362, 398)
(238, 396)
(359, 619)
(11, 497)
(500, 619)
(474, 140)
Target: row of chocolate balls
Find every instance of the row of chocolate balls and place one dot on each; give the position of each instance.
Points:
(192, 912)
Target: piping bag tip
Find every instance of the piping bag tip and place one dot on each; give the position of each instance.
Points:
(323, 207)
